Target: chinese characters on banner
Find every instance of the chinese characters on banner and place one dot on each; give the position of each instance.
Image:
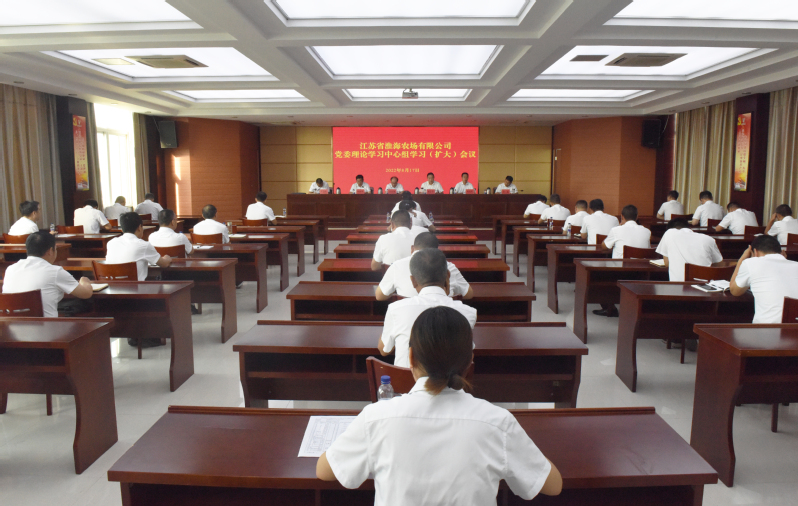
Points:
(743, 150)
(81, 156)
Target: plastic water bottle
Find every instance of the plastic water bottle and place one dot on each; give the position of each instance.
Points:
(568, 230)
(385, 392)
(379, 190)
(451, 190)
(416, 190)
(229, 227)
(551, 223)
(431, 218)
(388, 217)
(285, 212)
(52, 228)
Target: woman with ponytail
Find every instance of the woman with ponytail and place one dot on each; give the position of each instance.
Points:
(438, 445)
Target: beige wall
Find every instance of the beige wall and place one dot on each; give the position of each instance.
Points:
(521, 152)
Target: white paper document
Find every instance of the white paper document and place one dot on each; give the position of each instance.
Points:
(659, 262)
(96, 287)
(321, 432)
(237, 236)
(199, 246)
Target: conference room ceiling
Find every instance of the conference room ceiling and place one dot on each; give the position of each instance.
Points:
(346, 62)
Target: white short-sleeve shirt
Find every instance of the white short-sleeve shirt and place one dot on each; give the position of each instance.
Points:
(165, 237)
(35, 273)
(417, 230)
(555, 212)
(149, 207)
(628, 234)
(708, 211)
(512, 188)
(771, 278)
(420, 219)
(536, 208)
(397, 279)
(23, 226)
(396, 207)
(259, 211)
(783, 227)
(737, 220)
(366, 188)
(683, 246)
(598, 223)
(402, 314)
(669, 208)
(314, 188)
(130, 248)
(211, 227)
(399, 188)
(434, 186)
(447, 449)
(394, 245)
(576, 220)
(91, 219)
(115, 211)
(461, 188)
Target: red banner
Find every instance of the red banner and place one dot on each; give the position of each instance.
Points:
(408, 153)
(81, 154)
(743, 151)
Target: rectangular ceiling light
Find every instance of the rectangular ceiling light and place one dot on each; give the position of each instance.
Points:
(390, 94)
(60, 12)
(748, 10)
(412, 61)
(243, 95)
(219, 61)
(572, 94)
(417, 9)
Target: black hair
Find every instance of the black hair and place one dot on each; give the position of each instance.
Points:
(705, 195)
(209, 212)
(766, 244)
(673, 194)
(733, 204)
(39, 243)
(542, 198)
(629, 213)
(597, 205)
(319, 181)
(407, 205)
(429, 267)
(394, 177)
(165, 217)
(130, 222)
(442, 342)
(149, 196)
(426, 240)
(402, 219)
(359, 176)
(430, 174)
(784, 210)
(555, 198)
(406, 195)
(678, 223)
(261, 196)
(509, 178)
(91, 202)
(28, 207)
(463, 174)
(581, 204)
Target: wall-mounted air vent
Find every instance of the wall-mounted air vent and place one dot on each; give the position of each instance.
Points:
(177, 61)
(644, 59)
(589, 57)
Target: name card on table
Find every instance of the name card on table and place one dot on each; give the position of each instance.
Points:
(323, 191)
(430, 190)
(505, 192)
(360, 191)
(390, 190)
(470, 192)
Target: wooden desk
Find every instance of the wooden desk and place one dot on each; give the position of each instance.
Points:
(189, 220)
(359, 269)
(739, 364)
(540, 256)
(87, 245)
(226, 456)
(441, 222)
(450, 250)
(443, 239)
(64, 356)
(148, 230)
(348, 301)
(657, 310)
(437, 216)
(383, 229)
(496, 225)
(561, 267)
(791, 252)
(515, 362)
(276, 252)
(511, 229)
(296, 242)
(520, 245)
(318, 227)
(732, 247)
(251, 266)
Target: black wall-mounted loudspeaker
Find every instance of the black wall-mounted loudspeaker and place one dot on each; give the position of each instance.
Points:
(168, 134)
(651, 133)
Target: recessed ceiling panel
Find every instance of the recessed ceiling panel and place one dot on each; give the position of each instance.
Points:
(573, 94)
(384, 9)
(66, 12)
(759, 10)
(243, 95)
(391, 94)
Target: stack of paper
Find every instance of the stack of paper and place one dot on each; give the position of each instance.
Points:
(321, 432)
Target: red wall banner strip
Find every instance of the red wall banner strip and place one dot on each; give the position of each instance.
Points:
(743, 152)
(81, 153)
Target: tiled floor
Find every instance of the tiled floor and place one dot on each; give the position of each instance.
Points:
(36, 466)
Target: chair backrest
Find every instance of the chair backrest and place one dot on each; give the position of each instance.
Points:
(534, 217)
(15, 239)
(178, 251)
(632, 252)
(207, 239)
(575, 229)
(750, 231)
(21, 304)
(792, 238)
(114, 222)
(559, 223)
(687, 217)
(694, 272)
(115, 272)
(600, 238)
(145, 216)
(255, 223)
(73, 230)
(790, 313)
(710, 222)
(401, 377)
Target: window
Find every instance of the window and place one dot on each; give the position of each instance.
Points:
(116, 159)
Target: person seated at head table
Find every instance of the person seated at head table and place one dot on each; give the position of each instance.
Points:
(317, 185)
(769, 275)
(463, 185)
(419, 220)
(438, 444)
(680, 245)
(431, 184)
(166, 235)
(782, 223)
(556, 211)
(118, 209)
(536, 207)
(405, 196)
(597, 223)
(149, 206)
(259, 210)
(27, 224)
(507, 185)
(394, 185)
(670, 207)
(359, 184)
(209, 226)
(130, 247)
(90, 218)
(577, 219)
(708, 210)
(737, 219)
(394, 245)
(37, 272)
(430, 276)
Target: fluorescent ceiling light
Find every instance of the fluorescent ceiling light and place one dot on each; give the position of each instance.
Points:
(243, 95)
(220, 61)
(695, 60)
(417, 9)
(374, 94)
(425, 61)
(759, 10)
(549, 94)
(61, 12)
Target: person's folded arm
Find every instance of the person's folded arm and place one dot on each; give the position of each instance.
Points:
(553, 485)
(469, 294)
(381, 296)
(323, 470)
(164, 261)
(83, 290)
(381, 347)
(375, 265)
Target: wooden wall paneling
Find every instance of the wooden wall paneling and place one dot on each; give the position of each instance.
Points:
(666, 161)
(638, 168)
(249, 146)
(177, 162)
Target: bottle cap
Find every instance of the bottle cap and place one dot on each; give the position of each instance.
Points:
(385, 380)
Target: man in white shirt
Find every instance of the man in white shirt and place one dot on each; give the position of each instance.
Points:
(166, 236)
(90, 218)
(577, 219)
(507, 185)
(463, 185)
(769, 275)
(536, 207)
(394, 245)
(405, 196)
(737, 219)
(680, 246)
(670, 207)
(118, 209)
(628, 233)
(317, 185)
(708, 210)
(149, 206)
(431, 184)
(555, 212)
(259, 210)
(782, 223)
(209, 226)
(130, 247)
(418, 219)
(597, 223)
(395, 185)
(37, 272)
(27, 224)
(430, 275)
(359, 184)
(397, 277)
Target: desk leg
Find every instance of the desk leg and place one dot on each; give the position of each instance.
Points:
(503, 239)
(92, 381)
(242, 370)
(553, 301)
(626, 354)
(580, 304)
(300, 254)
(181, 366)
(717, 385)
(530, 272)
(261, 272)
(283, 265)
(228, 292)
(516, 256)
(324, 232)
(3, 403)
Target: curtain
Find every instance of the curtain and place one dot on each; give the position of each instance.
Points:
(93, 157)
(141, 150)
(782, 163)
(705, 154)
(29, 167)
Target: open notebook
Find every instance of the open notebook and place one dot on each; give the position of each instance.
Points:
(659, 262)
(99, 286)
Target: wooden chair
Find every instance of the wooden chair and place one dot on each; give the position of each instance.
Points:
(15, 239)
(750, 232)
(575, 229)
(600, 238)
(792, 239)
(178, 251)
(255, 223)
(789, 315)
(534, 217)
(114, 222)
(145, 216)
(207, 239)
(701, 273)
(71, 230)
(115, 272)
(632, 252)
(401, 377)
(710, 223)
(27, 304)
(559, 223)
(687, 217)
